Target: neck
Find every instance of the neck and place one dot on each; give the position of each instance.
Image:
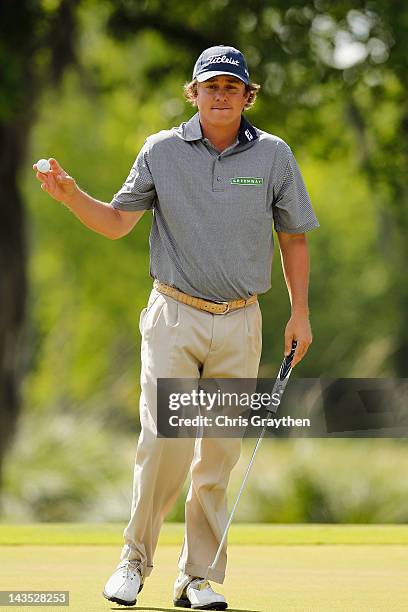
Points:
(221, 137)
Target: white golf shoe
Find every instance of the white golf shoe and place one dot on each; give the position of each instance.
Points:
(124, 584)
(197, 594)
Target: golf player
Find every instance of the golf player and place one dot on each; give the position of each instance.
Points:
(216, 186)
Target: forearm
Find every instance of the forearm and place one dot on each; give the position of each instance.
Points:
(296, 267)
(96, 215)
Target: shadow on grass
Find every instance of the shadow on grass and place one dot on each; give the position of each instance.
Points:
(150, 609)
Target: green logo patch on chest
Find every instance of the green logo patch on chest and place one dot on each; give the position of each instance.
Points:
(247, 180)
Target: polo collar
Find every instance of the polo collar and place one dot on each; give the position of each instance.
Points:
(191, 130)
(247, 132)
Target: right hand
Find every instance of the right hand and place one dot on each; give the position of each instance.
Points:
(57, 183)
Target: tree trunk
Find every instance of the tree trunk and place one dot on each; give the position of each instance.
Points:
(13, 279)
(26, 30)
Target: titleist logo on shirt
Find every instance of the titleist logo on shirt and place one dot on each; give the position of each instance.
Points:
(221, 59)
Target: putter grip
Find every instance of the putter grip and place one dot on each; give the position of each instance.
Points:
(287, 362)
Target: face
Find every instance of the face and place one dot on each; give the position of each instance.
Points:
(221, 100)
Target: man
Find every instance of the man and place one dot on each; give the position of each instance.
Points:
(215, 184)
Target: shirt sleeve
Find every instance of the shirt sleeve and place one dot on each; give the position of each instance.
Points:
(138, 191)
(292, 208)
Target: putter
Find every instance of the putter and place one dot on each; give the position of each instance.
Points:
(279, 388)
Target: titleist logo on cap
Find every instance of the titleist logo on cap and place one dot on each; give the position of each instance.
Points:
(221, 60)
(217, 59)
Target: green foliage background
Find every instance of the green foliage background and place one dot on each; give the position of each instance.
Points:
(74, 452)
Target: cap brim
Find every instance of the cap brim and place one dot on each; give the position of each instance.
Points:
(204, 76)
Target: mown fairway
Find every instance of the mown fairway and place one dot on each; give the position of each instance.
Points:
(271, 568)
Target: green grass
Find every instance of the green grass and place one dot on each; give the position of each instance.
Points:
(340, 578)
(172, 534)
(302, 568)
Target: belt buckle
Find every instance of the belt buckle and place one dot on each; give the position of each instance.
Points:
(225, 311)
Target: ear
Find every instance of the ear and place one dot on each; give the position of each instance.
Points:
(246, 96)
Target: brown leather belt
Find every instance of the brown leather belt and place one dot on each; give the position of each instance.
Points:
(212, 307)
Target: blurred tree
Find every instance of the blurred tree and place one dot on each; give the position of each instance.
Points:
(37, 43)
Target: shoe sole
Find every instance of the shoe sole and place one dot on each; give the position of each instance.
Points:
(185, 603)
(122, 602)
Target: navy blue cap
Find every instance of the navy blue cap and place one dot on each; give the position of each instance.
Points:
(221, 60)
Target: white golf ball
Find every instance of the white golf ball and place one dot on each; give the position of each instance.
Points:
(43, 165)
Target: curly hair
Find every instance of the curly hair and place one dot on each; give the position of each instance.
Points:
(190, 93)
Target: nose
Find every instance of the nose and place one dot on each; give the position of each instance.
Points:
(221, 93)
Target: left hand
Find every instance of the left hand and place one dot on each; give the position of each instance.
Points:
(298, 328)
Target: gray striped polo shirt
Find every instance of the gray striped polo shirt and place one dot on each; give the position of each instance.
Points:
(211, 234)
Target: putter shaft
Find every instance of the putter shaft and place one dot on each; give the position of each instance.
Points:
(279, 387)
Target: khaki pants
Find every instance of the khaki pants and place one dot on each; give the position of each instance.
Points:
(179, 341)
